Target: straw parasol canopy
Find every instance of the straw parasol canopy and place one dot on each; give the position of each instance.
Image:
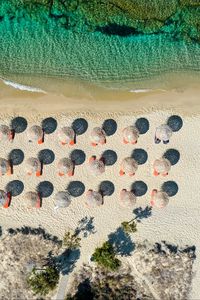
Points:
(32, 198)
(163, 132)
(3, 198)
(62, 200)
(66, 135)
(162, 165)
(32, 165)
(96, 166)
(65, 165)
(35, 133)
(98, 136)
(129, 165)
(5, 133)
(127, 199)
(130, 134)
(94, 198)
(4, 166)
(159, 199)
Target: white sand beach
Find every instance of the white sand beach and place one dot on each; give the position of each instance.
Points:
(178, 223)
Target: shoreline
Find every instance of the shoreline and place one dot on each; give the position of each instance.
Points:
(184, 101)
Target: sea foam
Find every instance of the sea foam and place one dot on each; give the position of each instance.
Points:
(22, 87)
(145, 90)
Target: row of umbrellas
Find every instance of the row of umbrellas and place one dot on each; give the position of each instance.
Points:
(97, 166)
(62, 199)
(98, 135)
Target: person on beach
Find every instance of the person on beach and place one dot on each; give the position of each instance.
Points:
(96, 166)
(97, 136)
(128, 166)
(159, 199)
(66, 136)
(130, 135)
(161, 166)
(163, 133)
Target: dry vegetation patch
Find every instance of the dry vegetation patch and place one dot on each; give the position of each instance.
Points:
(153, 272)
(20, 251)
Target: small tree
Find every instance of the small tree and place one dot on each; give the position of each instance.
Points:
(42, 281)
(129, 227)
(105, 257)
(71, 240)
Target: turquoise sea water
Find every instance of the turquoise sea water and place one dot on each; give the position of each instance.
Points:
(29, 49)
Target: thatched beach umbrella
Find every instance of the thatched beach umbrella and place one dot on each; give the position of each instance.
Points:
(130, 135)
(127, 198)
(5, 133)
(128, 166)
(33, 165)
(66, 135)
(4, 199)
(97, 136)
(96, 166)
(34, 199)
(163, 133)
(159, 199)
(65, 167)
(93, 198)
(161, 166)
(62, 200)
(5, 167)
(35, 134)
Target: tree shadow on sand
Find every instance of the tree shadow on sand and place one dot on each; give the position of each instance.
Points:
(66, 261)
(122, 242)
(141, 213)
(85, 226)
(164, 247)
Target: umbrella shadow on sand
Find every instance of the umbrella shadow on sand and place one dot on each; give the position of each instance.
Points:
(45, 189)
(16, 157)
(109, 126)
(75, 188)
(175, 123)
(121, 242)
(18, 125)
(106, 188)
(142, 125)
(15, 187)
(79, 126)
(46, 157)
(170, 188)
(109, 157)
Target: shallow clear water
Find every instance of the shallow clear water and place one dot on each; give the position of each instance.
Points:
(29, 49)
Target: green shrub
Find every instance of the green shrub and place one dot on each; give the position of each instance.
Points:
(43, 281)
(105, 257)
(71, 241)
(129, 227)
